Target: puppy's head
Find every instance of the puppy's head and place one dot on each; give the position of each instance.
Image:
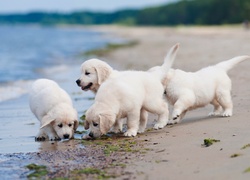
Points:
(99, 122)
(93, 73)
(64, 123)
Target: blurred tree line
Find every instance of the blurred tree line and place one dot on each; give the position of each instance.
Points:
(187, 12)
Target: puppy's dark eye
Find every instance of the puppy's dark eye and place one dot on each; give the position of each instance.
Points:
(60, 125)
(95, 124)
(87, 73)
(70, 125)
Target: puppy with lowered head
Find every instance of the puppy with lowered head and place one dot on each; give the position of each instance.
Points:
(126, 95)
(53, 107)
(210, 85)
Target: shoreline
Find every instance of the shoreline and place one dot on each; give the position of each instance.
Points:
(175, 152)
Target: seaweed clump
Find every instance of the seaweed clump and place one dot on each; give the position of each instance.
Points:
(38, 171)
(208, 142)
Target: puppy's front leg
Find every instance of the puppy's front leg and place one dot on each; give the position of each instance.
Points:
(118, 126)
(41, 136)
(132, 123)
(180, 108)
(178, 119)
(51, 133)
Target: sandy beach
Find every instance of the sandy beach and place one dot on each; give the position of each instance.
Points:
(176, 151)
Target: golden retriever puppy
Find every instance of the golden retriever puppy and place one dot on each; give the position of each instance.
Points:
(126, 95)
(210, 85)
(93, 73)
(53, 107)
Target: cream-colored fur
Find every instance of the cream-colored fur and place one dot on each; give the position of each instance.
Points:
(53, 108)
(210, 85)
(130, 94)
(93, 73)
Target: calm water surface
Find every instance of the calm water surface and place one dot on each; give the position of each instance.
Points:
(31, 52)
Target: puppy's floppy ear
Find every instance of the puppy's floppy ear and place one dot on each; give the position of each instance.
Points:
(86, 124)
(46, 121)
(106, 122)
(76, 123)
(103, 73)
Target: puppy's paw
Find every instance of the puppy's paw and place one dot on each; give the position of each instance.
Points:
(130, 133)
(171, 122)
(214, 113)
(116, 130)
(176, 117)
(227, 113)
(141, 130)
(40, 138)
(54, 138)
(159, 126)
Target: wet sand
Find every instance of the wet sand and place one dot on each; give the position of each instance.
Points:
(177, 151)
(174, 152)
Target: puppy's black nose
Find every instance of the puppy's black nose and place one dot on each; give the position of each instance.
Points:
(78, 82)
(66, 136)
(91, 134)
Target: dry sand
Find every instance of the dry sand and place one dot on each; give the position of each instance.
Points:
(176, 151)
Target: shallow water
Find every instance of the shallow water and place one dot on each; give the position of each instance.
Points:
(18, 125)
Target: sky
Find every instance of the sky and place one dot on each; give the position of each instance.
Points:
(24, 6)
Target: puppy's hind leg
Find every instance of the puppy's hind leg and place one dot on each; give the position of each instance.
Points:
(159, 107)
(225, 101)
(143, 120)
(217, 108)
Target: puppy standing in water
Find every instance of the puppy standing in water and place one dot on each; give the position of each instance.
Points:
(125, 96)
(53, 108)
(210, 85)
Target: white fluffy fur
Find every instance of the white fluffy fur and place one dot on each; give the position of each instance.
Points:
(53, 108)
(125, 96)
(130, 94)
(210, 85)
(93, 73)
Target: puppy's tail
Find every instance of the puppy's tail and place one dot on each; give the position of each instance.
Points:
(229, 64)
(170, 57)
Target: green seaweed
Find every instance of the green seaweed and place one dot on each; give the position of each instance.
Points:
(110, 148)
(100, 174)
(246, 146)
(209, 142)
(108, 48)
(247, 170)
(38, 171)
(235, 155)
(83, 117)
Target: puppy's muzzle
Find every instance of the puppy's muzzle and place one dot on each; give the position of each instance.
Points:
(91, 134)
(78, 82)
(66, 136)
